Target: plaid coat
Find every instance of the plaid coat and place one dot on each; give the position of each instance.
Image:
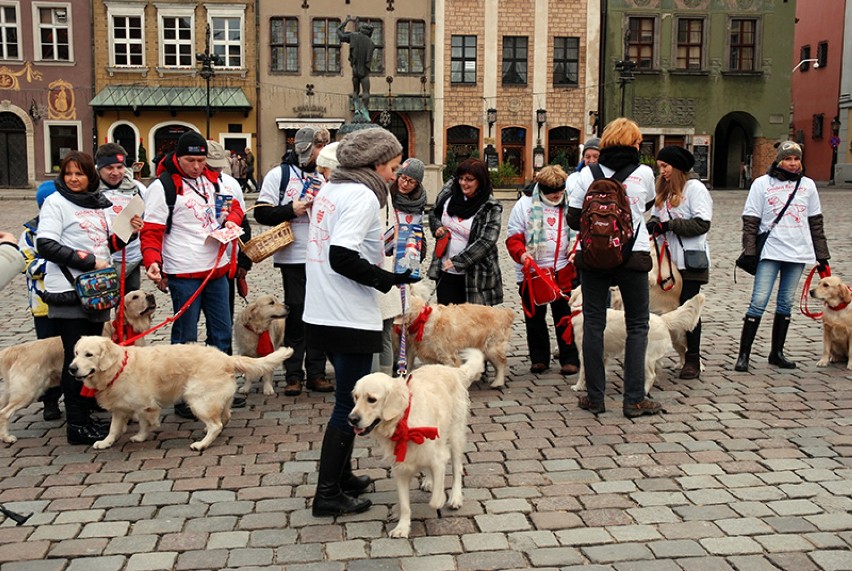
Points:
(479, 260)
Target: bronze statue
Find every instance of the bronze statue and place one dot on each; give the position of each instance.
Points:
(361, 49)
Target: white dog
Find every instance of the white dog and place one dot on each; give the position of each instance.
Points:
(436, 396)
(137, 381)
(662, 328)
(261, 319)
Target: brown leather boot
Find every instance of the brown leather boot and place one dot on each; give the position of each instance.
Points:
(320, 385)
(691, 366)
(293, 388)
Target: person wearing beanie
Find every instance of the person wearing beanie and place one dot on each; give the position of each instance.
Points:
(74, 237)
(620, 144)
(784, 203)
(327, 160)
(537, 232)
(468, 271)
(177, 249)
(681, 216)
(287, 192)
(342, 315)
(591, 152)
(119, 186)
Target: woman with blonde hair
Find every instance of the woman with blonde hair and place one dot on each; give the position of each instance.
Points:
(620, 144)
(538, 233)
(681, 216)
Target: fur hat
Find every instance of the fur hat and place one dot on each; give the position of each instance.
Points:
(191, 143)
(412, 168)
(678, 157)
(367, 148)
(594, 143)
(306, 138)
(788, 149)
(327, 157)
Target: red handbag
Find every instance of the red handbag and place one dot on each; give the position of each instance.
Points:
(538, 288)
(441, 245)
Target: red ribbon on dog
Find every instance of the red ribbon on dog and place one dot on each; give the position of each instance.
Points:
(264, 344)
(568, 333)
(419, 324)
(90, 393)
(403, 434)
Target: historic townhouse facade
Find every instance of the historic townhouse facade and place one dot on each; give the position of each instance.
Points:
(45, 87)
(151, 81)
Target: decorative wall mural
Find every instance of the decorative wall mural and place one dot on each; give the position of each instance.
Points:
(60, 100)
(9, 78)
(664, 111)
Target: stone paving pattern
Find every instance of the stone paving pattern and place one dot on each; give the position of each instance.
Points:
(747, 471)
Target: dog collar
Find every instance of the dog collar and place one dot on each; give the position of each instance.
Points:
(87, 392)
(418, 325)
(127, 330)
(264, 342)
(403, 434)
(568, 332)
(839, 307)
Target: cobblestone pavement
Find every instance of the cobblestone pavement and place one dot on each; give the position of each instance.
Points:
(746, 471)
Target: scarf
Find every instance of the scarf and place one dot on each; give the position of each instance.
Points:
(366, 176)
(619, 156)
(775, 171)
(462, 207)
(411, 203)
(537, 241)
(88, 199)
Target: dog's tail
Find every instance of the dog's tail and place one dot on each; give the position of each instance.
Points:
(473, 366)
(685, 317)
(254, 368)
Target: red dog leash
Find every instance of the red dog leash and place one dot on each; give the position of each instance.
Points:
(803, 299)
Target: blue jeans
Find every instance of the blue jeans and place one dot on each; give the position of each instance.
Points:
(634, 293)
(348, 369)
(764, 281)
(213, 301)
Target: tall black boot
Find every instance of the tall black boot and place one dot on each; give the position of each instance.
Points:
(349, 482)
(750, 325)
(330, 500)
(779, 335)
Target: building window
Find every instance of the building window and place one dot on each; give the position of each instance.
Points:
(326, 45)
(462, 142)
(284, 41)
(690, 43)
(640, 47)
(62, 138)
(9, 32)
(817, 126)
(226, 35)
(822, 54)
(377, 64)
(52, 32)
(743, 44)
(463, 59)
(804, 55)
(410, 46)
(515, 60)
(566, 61)
(176, 38)
(127, 39)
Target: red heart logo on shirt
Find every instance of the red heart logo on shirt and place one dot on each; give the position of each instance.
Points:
(409, 218)
(320, 215)
(551, 221)
(116, 208)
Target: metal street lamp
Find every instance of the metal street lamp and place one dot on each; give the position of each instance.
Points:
(804, 61)
(834, 142)
(491, 118)
(207, 72)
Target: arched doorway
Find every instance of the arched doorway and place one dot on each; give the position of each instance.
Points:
(165, 139)
(733, 149)
(563, 147)
(125, 136)
(514, 144)
(13, 151)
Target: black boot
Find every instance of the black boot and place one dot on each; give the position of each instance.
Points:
(349, 482)
(779, 335)
(691, 366)
(750, 325)
(329, 499)
(82, 428)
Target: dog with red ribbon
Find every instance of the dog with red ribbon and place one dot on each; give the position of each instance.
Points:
(836, 298)
(422, 423)
(258, 331)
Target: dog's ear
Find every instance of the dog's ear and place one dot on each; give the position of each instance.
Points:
(110, 355)
(845, 294)
(396, 401)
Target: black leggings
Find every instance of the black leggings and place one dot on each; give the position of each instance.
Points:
(77, 407)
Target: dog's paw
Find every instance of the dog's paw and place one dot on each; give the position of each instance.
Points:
(497, 383)
(139, 437)
(578, 387)
(437, 500)
(102, 444)
(823, 362)
(10, 439)
(456, 502)
(244, 389)
(426, 484)
(400, 531)
(197, 446)
(268, 391)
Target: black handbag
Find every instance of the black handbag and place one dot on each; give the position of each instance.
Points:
(693, 260)
(748, 264)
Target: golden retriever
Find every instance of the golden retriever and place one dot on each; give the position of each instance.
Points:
(435, 396)
(682, 319)
(137, 381)
(449, 328)
(836, 298)
(265, 314)
(29, 369)
(660, 301)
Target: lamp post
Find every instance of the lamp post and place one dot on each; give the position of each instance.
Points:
(804, 61)
(207, 72)
(490, 152)
(491, 118)
(835, 142)
(625, 68)
(538, 152)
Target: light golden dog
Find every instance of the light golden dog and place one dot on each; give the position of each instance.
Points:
(660, 301)
(436, 396)
(137, 381)
(449, 328)
(660, 334)
(29, 369)
(264, 315)
(836, 298)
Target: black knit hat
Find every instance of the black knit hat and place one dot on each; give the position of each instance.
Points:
(678, 157)
(191, 143)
